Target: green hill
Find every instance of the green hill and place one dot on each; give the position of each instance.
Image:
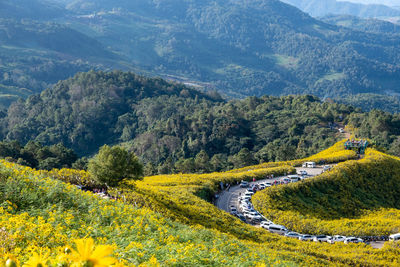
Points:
(320, 8)
(242, 48)
(177, 129)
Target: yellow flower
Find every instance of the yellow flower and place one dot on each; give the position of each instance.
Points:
(87, 254)
(37, 260)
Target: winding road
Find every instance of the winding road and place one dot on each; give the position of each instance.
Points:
(230, 198)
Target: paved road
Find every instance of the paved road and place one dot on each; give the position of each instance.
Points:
(228, 198)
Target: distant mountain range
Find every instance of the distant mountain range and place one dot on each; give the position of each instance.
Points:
(240, 48)
(320, 8)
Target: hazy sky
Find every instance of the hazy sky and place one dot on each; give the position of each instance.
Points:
(384, 2)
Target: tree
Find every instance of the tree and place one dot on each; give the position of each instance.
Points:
(113, 164)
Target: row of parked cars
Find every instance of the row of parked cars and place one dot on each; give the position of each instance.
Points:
(250, 214)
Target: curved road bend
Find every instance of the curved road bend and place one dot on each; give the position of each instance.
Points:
(230, 198)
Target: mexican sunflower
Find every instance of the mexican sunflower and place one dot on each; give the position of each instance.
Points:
(89, 255)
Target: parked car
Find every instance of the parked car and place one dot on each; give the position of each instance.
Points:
(394, 237)
(306, 237)
(265, 224)
(268, 184)
(253, 216)
(336, 238)
(309, 164)
(326, 168)
(341, 130)
(294, 178)
(353, 240)
(292, 235)
(249, 193)
(276, 228)
(233, 208)
(303, 173)
(244, 184)
(321, 238)
(261, 186)
(285, 180)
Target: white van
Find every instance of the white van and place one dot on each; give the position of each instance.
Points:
(276, 228)
(309, 164)
(394, 237)
(294, 178)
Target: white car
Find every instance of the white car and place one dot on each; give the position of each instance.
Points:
(276, 228)
(292, 235)
(268, 185)
(253, 216)
(321, 238)
(306, 237)
(265, 224)
(233, 208)
(353, 240)
(303, 173)
(336, 238)
(244, 184)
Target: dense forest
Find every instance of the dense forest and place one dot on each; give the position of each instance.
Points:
(319, 8)
(240, 48)
(366, 25)
(35, 155)
(173, 128)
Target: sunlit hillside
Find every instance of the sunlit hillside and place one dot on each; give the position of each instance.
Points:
(168, 219)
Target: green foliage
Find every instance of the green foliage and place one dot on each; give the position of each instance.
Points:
(241, 48)
(37, 156)
(113, 164)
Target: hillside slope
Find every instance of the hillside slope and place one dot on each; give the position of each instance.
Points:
(320, 8)
(241, 48)
(177, 129)
(50, 216)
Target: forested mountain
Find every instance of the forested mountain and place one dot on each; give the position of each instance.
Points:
(366, 25)
(174, 128)
(241, 48)
(320, 8)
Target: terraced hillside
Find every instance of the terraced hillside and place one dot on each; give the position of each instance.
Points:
(172, 223)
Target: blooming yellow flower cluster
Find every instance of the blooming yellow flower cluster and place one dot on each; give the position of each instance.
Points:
(46, 222)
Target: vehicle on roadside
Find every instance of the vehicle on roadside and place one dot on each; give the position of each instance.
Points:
(394, 237)
(262, 186)
(249, 193)
(253, 216)
(336, 238)
(341, 130)
(244, 184)
(233, 208)
(326, 168)
(321, 238)
(309, 164)
(276, 228)
(306, 237)
(268, 185)
(303, 173)
(353, 240)
(292, 235)
(294, 178)
(285, 180)
(265, 224)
